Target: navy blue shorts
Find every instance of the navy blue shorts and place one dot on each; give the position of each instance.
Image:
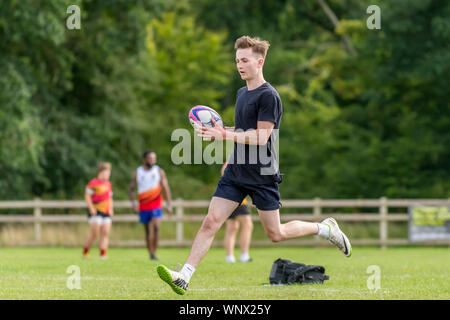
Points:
(264, 196)
(146, 216)
(242, 210)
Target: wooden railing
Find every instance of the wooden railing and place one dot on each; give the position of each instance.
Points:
(382, 215)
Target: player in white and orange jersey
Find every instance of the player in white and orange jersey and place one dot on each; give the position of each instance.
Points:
(152, 186)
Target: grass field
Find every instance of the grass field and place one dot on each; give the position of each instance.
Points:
(406, 273)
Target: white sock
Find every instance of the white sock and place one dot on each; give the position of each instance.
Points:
(230, 259)
(324, 231)
(187, 271)
(244, 257)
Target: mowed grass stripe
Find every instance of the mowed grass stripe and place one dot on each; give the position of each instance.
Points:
(406, 273)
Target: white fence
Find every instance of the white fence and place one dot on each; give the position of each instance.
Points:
(382, 215)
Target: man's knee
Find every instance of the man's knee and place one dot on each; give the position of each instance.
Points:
(232, 226)
(104, 233)
(210, 224)
(247, 224)
(275, 236)
(95, 231)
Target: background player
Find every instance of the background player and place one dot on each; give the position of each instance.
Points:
(152, 186)
(258, 113)
(98, 197)
(240, 217)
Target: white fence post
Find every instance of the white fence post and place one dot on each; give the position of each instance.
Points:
(383, 222)
(179, 215)
(37, 213)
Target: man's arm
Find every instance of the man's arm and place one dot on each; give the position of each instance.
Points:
(260, 136)
(222, 171)
(131, 193)
(111, 211)
(165, 189)
(88, 199)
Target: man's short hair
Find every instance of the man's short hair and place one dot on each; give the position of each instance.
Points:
(258, 46)
(103, 166)
(146, 153)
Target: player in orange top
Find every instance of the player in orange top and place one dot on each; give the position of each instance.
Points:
(152, 186)
(98, 197)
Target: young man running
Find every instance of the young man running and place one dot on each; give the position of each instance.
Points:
(98, 197)
(152, 186)
(257, 119)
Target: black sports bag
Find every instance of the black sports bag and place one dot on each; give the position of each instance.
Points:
(287, 272)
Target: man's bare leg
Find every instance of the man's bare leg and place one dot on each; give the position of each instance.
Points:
(232, 226)
(147, 237)
(154, 236)
(245, 236)
(94, 229)
(105, 229)
(277, 231)
(93, 232)
(328, 229)
(219, 210)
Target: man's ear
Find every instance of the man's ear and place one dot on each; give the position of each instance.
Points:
(260, 62)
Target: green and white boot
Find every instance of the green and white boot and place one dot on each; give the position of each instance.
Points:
(337, 237)
(173, 278)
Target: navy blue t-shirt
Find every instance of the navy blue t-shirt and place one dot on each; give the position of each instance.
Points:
(251, 164)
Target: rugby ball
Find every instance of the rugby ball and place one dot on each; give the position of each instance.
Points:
(202, 115)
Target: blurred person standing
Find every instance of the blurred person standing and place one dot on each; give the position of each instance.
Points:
(152, 186)
(98, 197)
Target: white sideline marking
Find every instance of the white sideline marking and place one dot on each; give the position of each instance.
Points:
(354, 291)
(57, 278)
(260, 287)
(213, 289)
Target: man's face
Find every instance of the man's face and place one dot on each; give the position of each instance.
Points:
(150, 159)
(105, 174)
(248, 63)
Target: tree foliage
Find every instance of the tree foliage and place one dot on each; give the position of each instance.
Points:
(369, 124)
